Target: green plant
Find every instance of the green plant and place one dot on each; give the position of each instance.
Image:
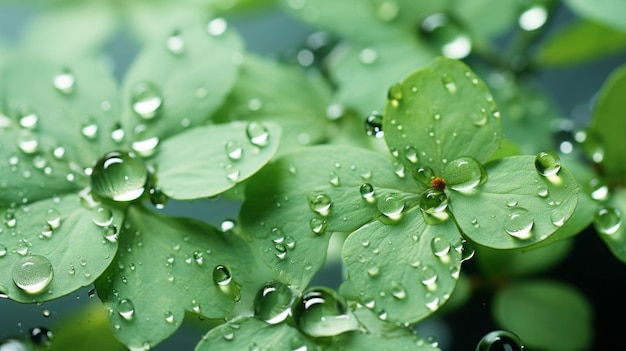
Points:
(452, 169)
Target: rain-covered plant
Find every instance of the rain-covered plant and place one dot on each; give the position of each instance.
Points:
(376, 148)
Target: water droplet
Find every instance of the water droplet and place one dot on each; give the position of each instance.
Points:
(533, 18)
(334, 179)
(28, 142)
(120, 176)
(498, 340)
(157, 197)
(319, 202)
(126, 309)
(428, 275)
(391, 205)
(394, 94)
(273, 301)
(557, 217)
(227, 225)
(217, 27)
(258, 134)
(28, 119)
(547, 163)
(89, 128)
(33, 273)
(598, 189)
(542, 191)
(321, 311)
(432, 301)
(374, 125)
(3, 250)
(424, 175)
(367, 191)
(102, 216)
(608, 220)
(223, 278)
(479, 119)
(464, 174)
(40, 336)
(110, 233)
(234, 150)
(146, 100)
(175, 43)
(373, 271)
(439, 246)
(398, 291)
(519, 222)
(368, 56)
(433, 201)
(410, 153)
(14, 345)
(169, 317)
(117, 134)
(318, 226)
(64, 81)
(232, 172)
(443, 32)
(398, 169)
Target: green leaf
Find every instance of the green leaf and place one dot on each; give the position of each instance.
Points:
(180, 87)
(580, 42)
(71, 31)
(63, 231)
(364, 72)
(77, 113)
(440, 113)
(485, 18)
(369, 342)
(277, 204)
(270, 91)
(545, 315)
(515, 199)
(164, 267)
(405, 270)
(206, 161)
(152, 21)
(247, 333)
(606, 11)
(604, 138)
(615, 237)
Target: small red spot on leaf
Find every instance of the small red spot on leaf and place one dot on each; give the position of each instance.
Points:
(438, 183)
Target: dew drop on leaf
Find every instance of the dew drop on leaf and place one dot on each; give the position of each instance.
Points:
(53, 218)
(257, 134)
(89, 128)
(547, 163)
(533, 18)
(169, 317)
(439, 246)
(64, 81)
(3, 250)
(223, 278)
(318, 226)
(119, 176)
(368, 56)
(102, 216)
(500, 340)
(433, 201)
(28, 119)
(28, 142)
(374, 125)
(321, 311)
(175, 43)
(217, 26)
(126, 309)
(391, 205)
(146, 100)
(398, 291)
(557, 217)
(518, 223)
(319, 202)
(446, 34)
(33, 273)
(394, 94)
(608, 220)
(273, 301)
(367, 191)
(14, 345)
(598, 189)
(234, 150)
(428, 275)
(464, 174)
(40, 336)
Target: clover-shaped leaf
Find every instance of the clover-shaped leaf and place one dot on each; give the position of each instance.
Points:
(294, 203)
(166, 266)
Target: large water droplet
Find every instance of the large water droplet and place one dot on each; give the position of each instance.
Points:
(433, 201)
(319, 202)
(40, 336)
(547, 163)
(519, 222)
(608, 220)
(464, 174)
(374, 125)
(120, 176)
(223, 278)
(273, 302)
(146, 100)
(500, 340)
(440, 246)
(367, 191)
(258, 134)
(64, 81)
(321, 311)
(126, 309)
(391, 205)
(33, 273)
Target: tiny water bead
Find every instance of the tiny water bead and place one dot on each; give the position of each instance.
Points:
(374, 125)
(257, 134)
(391, 205)
(33, 273)
(394, 94)
(126, 309)
(500, 340)
(547, 163)
(175, 43)
(146, 100)
(64, 81)
(518, 223)
(321, 312)
(464, 174)
(28, 119)
(273, 301)
(433, 201)
(319, 202)
(120, 176)
(608, 220)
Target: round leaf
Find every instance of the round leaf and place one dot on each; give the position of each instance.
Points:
(440, 113)
(545, 315)
(164, 267)
(330, 177)
(63, 231)
(406, 270)
(206, 161)
(518, 206)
